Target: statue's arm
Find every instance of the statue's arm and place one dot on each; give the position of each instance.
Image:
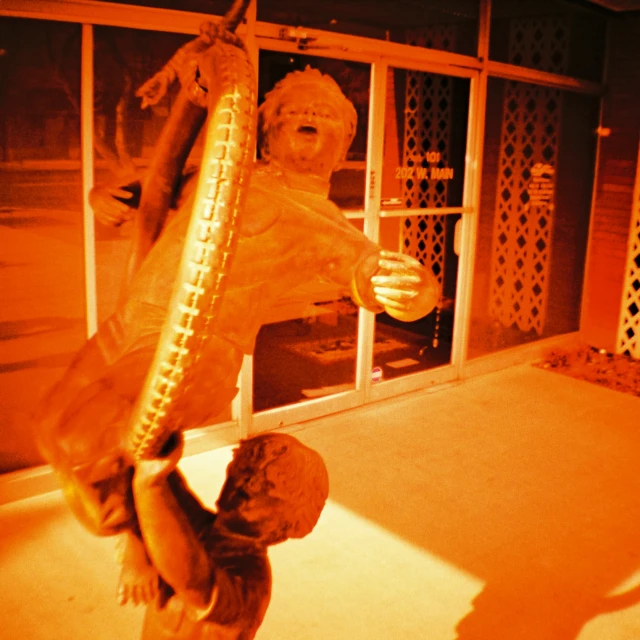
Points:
(169, 535)
(384, 280)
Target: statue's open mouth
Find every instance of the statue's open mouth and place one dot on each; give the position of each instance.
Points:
(307, 129)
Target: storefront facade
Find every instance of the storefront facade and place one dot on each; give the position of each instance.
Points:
(478, 151)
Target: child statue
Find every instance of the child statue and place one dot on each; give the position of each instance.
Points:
(206, 575)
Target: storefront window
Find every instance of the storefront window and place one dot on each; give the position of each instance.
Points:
(42, 313)
(424, 140)
(401, 348)
(534, 216)
(124, 134)
(125, 139)
(307, 348)
(446, 25)
(423, 169)
(549, 35)
(533, 221)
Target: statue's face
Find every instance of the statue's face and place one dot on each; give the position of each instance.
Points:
(308, 131)
(100, 495)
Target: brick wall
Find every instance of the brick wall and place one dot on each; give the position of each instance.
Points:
(606, 261)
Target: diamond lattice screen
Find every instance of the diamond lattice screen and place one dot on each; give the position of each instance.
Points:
(629, 332)
(523, 221)
(426, 129)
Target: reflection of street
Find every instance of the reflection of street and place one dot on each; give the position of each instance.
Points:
(42, 316)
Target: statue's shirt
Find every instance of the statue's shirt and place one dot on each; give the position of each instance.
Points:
(287, 237)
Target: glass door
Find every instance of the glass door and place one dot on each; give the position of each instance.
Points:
(421, 209)
(412, 133)
(307, 348)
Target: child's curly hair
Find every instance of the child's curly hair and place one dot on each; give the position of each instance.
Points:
(278, 470)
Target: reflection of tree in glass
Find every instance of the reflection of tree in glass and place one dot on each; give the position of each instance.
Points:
(62, 49)
(123, 60)
(35, 119)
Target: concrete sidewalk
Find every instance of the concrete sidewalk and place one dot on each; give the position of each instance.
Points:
(506, 507)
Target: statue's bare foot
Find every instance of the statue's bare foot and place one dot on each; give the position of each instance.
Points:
(138, 578)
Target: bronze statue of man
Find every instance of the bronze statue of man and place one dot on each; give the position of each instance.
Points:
(290, 233)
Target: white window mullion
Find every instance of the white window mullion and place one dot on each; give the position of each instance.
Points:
(469, 221)
(471, 196)
(375, 142)
(86, 137)
(242, 406)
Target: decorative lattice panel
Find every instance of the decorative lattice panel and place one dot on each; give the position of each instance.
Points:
(426, 136)
(438, 36)
(523, 221)
(540, 43)
(629, 330)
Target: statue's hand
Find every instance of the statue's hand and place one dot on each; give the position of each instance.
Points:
(154, 470)
(107, 209)
(154, 89)
(138, 578)
(405, 289)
